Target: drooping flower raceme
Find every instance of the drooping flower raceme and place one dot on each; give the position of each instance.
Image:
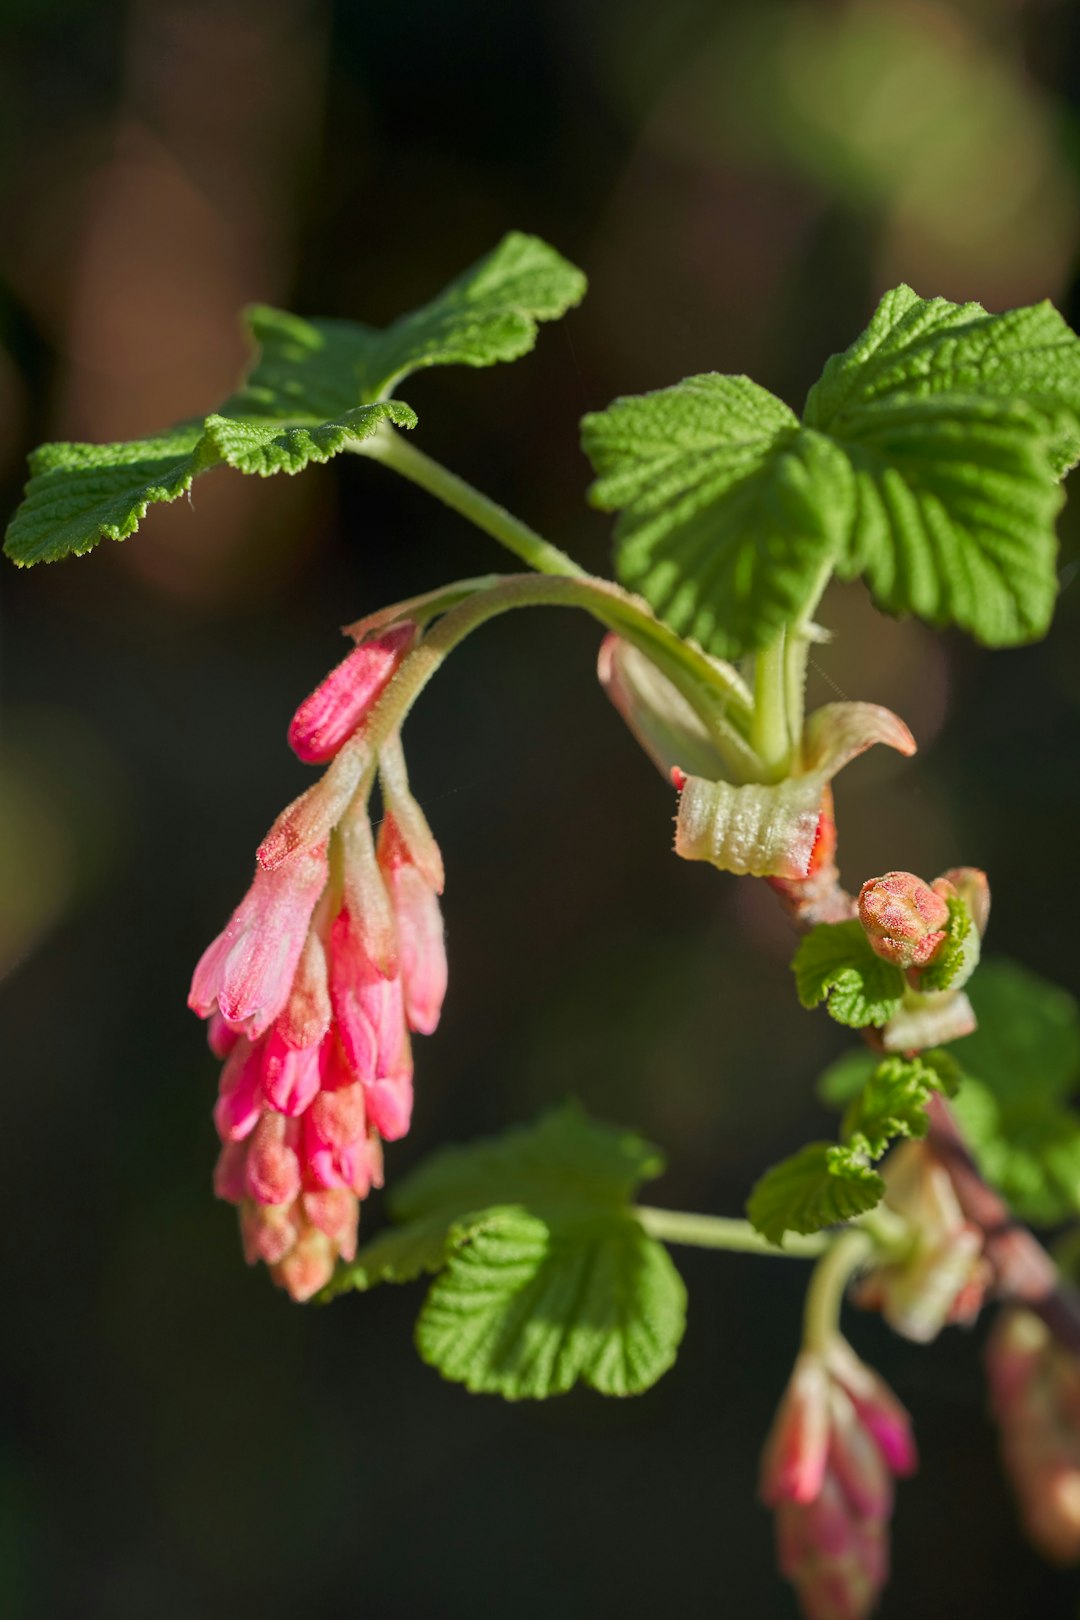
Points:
(312, 988)
(839, 1438)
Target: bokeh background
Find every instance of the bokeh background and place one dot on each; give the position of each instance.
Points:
(740, 181)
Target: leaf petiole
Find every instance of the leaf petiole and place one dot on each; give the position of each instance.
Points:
(721, 1232)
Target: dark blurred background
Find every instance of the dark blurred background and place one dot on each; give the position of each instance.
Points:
(740, 181)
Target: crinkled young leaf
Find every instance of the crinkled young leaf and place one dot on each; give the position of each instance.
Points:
(313, 369)
(957, 426)
(79, 494)
(819, 1186)
(958, 957)
(835, 964)
(546, 1276)
(730, 510)
(529, 1307)
(893, 1101)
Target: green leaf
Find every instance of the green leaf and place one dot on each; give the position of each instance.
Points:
(730, 510)
(529, 1307)
(835, 963)
(490, 313)
(893, 1101)
(546, 1276)
(819, 1186)
(958, 957)
(316, 386)
(79, 494)
(562, 1161)
(957, 425)
(1027, 1044)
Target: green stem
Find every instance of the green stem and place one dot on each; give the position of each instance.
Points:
(825, 1295)
(770, 732)
(396, 452)
(719, 1232)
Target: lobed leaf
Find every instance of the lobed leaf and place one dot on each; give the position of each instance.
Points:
(957, 426)
(730, 510)
(893, 1101)
(836, 964)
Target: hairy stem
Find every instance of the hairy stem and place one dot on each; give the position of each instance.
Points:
(396, 452)
(719, 1232)
(825, 1296)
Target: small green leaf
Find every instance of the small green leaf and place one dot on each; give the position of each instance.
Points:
(1028, 1040)
(730, 509)
(893, 1103)
(835, 963)
(958, 957)
(528, 1308)
(546, 1276)
(819, 1186)
(316, 369)
(957, 426)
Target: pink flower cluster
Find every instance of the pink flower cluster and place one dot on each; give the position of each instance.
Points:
(332, 958)
(838, 1439)
(1035, 1394)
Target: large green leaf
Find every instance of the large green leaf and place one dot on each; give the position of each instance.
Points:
(546, 1277)
(730, 510)
(957, 426)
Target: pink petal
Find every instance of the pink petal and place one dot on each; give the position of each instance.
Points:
(290, 1077)
(239, 1102)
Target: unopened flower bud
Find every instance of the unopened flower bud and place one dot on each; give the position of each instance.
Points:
(974, 890)
(1035, 1395)
(839, 1437)
(338, 705)
(904, 918)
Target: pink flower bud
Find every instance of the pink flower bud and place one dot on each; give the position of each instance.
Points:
(290, 1075)
(247, 972)
(328, 718)
(904, 918)
(267, 1231)
(942, 1276)
(273, 1168)
(305, 1018)
(838, 1439)
(230, 1183)
(308, 1266)
(421, 943)
(239, 1102)
(1035, 1394)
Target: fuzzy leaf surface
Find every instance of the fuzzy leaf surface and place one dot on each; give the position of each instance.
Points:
(957, 426)
(79, 494)
(819, 1186)
(835, 964)
(893, 1101)
(730, 509)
